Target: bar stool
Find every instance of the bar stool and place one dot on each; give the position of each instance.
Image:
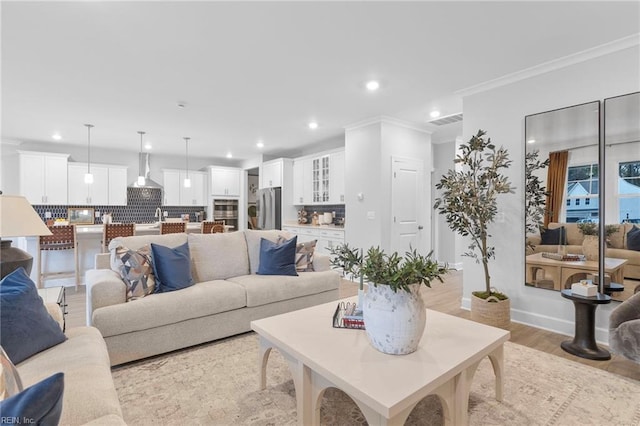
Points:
(114, 230)
(62, 238)
(212, 227)
(172, 227)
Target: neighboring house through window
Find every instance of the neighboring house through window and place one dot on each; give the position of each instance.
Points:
(582, 184)
(629, 191)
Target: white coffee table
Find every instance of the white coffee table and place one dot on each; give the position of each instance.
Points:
(386, 388)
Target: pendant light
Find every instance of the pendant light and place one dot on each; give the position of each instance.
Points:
(88, 177)
(141, 179)
(187, 181)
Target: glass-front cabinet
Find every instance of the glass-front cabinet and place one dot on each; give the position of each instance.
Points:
(320, 172)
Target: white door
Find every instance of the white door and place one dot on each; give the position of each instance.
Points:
(406, 203)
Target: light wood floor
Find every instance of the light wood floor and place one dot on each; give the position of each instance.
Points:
(444, 297)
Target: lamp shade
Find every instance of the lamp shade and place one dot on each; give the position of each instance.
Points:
(19, 219)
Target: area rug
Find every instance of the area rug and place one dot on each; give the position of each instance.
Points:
(217, 384)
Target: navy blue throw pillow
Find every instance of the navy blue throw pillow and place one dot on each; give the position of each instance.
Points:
(26, 327)
(40, 404)
(554, 237)
(172, 267)
(278, 259)
(633, 239)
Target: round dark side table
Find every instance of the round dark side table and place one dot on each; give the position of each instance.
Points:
(584, 342)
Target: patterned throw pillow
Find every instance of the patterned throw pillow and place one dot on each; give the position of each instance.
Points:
(10, 383)
(304, 254)
(136, 270)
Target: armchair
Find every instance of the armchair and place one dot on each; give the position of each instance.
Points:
(624, 328)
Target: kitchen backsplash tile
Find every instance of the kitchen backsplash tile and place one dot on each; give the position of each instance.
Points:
(141, 207)
(330, 208)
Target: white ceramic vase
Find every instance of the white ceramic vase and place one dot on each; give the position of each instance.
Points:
(590, 247)
(394, 321)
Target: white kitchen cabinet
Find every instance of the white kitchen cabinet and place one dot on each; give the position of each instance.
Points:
(271, 174)
(117, 186)
(172, 187)
(43, 177)
(175, 194)
(319, 180)
(225, 181)
(336, 178)
(109, 187)
(83, 194)
(326, 237)
(302, 192)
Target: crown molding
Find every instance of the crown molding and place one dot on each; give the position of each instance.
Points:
(555, 64)
(388, 120)
(11, 142)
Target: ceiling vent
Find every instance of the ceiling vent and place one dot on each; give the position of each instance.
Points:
(449, 119)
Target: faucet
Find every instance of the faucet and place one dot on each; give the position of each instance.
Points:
(158, 214)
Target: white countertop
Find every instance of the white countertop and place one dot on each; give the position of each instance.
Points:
(143, 227)
(308, 225)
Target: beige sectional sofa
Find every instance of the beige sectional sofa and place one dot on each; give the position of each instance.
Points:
(227, 296)
(617, 246)
(89, 393)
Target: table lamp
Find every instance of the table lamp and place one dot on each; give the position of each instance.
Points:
(17, 219)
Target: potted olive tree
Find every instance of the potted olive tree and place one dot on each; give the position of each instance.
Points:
(535, 196)
(469, 202)
(393, 310)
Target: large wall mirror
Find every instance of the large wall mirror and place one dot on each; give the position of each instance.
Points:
(563, 192)
(622, 180)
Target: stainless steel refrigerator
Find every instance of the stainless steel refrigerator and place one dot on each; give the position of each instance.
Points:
(269, 208)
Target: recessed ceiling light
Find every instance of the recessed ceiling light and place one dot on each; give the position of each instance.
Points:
(229, 155)
(56, 136)
(313, 125)
(148, 145)
(531, 141)
(260, 144)
(435, 114)
(373, 85)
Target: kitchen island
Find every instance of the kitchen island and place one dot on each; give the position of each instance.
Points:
(89, 244)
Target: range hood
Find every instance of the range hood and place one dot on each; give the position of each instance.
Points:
(143, 164)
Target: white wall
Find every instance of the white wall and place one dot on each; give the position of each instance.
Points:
(362, 175)
(444, 238)
(501, 113)
(368, 153)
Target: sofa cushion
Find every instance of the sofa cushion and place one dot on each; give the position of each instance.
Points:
(633, 239)
(555, 236)
(26, 327)
(41, 403)
(264, 289)
(136, 270)
(158, 309)
(84, 360)
(172, 267)
(10, 383)
(138, 241)
(253, 244)
(218, 256)
(278, 258)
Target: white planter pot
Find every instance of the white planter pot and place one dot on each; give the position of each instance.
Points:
(590, 247)
(394, 321)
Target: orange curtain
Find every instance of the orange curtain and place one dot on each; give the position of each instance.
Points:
(556, 178)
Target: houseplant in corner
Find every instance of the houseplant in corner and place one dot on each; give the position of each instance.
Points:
(469, 202)
(393, 310)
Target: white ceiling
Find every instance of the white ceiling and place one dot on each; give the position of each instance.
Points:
(261, 70)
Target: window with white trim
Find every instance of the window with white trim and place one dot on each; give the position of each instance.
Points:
(582, 185)
(629, 191)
